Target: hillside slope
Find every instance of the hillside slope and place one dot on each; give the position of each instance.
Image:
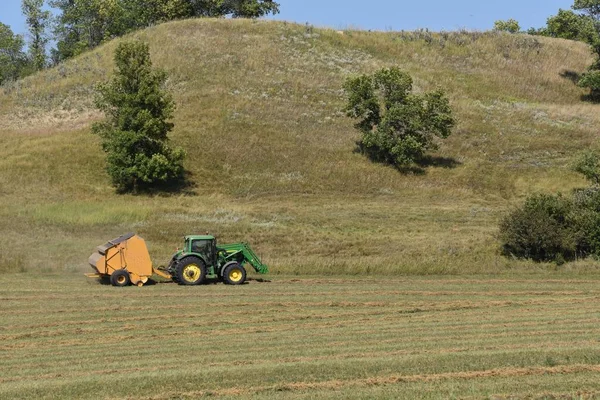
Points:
(272, 156)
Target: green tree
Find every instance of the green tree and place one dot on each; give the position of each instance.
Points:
(172, 9)
(591, 79)
(248, 8)
(12, 58)
(590, 7)
(84, 24)
(397, 126)
(37, 20)
(541, 230)
(510, 25)
(570, 25)
(147, 12)
(134, 134)
(588, 164)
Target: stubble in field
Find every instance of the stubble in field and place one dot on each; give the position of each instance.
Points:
(525, 337)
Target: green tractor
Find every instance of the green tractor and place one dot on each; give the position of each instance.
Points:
(202, 259)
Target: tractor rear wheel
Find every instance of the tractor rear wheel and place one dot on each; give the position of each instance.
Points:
(120, 278)
(234, 274)
(191, 271)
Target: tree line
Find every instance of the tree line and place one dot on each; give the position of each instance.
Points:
(81, 25)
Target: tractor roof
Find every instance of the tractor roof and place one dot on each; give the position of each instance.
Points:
(200, 237)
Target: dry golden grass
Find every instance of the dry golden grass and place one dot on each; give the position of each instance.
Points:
(272, 156)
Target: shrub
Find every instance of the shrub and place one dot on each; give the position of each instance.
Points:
(591, 80)
(588, 164)
(397, 126)
(134, 134)
(554, 227)
(510, 25)
(540, 230)
(586, 221)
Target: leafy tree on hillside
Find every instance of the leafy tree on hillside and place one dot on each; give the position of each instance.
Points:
(134, 134)
(37, 20)
(397, 126)
(156, 11)
(234, 8)
(591, 79)
(84, 24)
(570, 25)
(12, 58)
(510, 26)
(149, 12)
(588, 164)
(248, 8)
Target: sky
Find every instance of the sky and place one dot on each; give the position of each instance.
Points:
(435, 15)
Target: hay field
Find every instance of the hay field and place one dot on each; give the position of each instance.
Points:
(516, 337)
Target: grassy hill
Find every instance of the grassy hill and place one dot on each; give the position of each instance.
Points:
(272, 156)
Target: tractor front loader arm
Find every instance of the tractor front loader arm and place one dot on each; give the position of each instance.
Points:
(243, 253)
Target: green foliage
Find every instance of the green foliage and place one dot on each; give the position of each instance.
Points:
(554, 227)
(510, 25)
(591, 79)
(586, 221)
(540, 230)
(234, 8)
(249, 8)
(147, 12)
(135, 131)
(37, 20)
(588, 164)
(13, 60)
(570, 25)
(84, 24)
(397, 126)
(538, 32)
(590, 7)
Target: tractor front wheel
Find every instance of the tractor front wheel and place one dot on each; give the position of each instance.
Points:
(120, 278)
(191, 271)
(234, 274)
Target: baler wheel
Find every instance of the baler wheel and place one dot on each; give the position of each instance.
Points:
(120, 278)
(191, 271)
(234, 274)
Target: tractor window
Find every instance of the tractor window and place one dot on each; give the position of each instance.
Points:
(204, 247)
(200, 246)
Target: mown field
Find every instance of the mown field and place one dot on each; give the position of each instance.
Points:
(515, 337)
